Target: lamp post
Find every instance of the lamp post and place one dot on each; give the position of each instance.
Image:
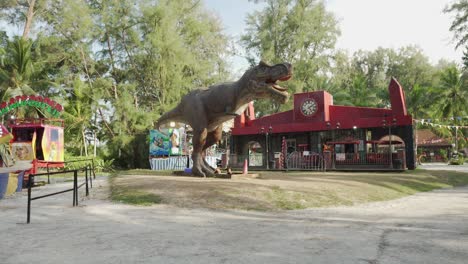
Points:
(267, 133)
(389, 125)
(337, 126)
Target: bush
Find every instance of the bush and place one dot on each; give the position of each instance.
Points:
(457, 161)
(100, 165)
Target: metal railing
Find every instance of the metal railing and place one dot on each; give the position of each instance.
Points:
(298, 161)
(74, 189)
(65, 162)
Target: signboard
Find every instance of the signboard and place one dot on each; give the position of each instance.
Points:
(45, 103)
(165, 142)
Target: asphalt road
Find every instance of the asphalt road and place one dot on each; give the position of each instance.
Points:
(428, 227)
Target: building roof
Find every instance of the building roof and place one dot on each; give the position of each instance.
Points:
(426, 138)
(315, 111)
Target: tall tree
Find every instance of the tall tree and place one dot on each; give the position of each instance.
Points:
(459, 25)
(301, 32)
(453, 92)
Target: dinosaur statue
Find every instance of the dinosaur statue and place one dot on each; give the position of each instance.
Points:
(205, 110)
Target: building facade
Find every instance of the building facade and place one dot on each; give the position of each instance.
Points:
(316, 134)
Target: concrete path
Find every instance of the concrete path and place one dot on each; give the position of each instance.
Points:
(444, 166)
(424, 228)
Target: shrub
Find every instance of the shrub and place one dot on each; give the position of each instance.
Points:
(457, 161)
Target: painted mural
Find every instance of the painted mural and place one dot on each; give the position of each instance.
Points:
(22, 151)
(52, 144)
(165, 142)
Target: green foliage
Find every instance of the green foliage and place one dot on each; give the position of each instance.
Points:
(300, 32)
(117, 65)
(79, 162)
(460, 160)
(460, 22)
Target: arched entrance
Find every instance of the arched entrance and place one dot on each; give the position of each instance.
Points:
(255, 154)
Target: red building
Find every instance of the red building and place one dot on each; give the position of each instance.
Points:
(319, 135)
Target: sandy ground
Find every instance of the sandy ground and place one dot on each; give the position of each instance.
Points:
(424, 228)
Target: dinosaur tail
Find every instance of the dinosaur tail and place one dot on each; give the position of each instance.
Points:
(172, 115)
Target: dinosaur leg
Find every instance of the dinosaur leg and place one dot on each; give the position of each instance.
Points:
(207, 169)
(198, 140)
(212, 138)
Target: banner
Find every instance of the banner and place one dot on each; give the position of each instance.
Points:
(45, 103)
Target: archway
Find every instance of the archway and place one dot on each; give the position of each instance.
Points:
(255, 154)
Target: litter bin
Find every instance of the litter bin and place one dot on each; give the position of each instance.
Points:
(272, 164)
(398, 164)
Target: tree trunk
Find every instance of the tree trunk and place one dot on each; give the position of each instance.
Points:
(84, 143)
(29, 18)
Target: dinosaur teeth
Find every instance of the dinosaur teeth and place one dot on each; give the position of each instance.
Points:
(279, 88)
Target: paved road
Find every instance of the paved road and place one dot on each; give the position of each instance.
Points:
(444, 166)
(425, 228)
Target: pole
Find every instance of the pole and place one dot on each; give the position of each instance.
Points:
(29, 199)
(390, 144)
(94, 171)
(86, 178)
(48, 175)
(75, 188)
(267, 156)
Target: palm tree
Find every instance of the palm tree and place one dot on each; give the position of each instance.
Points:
(16, 69)
(453, 94)
(78, 116)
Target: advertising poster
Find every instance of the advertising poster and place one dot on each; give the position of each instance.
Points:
(22, 151)
(165, 142)
(52, 144)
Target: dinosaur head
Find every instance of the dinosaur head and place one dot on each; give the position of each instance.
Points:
(263, 81)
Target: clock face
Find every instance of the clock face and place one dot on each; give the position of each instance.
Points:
(309, 107)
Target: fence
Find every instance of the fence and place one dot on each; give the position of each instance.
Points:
(74, 189)
(58, 164)
(177, 162)
(370, 160)
(298, 161)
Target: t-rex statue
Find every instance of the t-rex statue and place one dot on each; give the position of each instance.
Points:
(205, 110)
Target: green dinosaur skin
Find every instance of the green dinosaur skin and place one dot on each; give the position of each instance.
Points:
(205, 110)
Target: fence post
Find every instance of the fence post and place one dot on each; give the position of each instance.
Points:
(94, 173)
(75, 187)
(90, 178)
(48, 175)
(86, 178)
(29, 199)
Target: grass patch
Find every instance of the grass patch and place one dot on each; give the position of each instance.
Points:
(277, 190)
(286, 200)
(130, 195)
(135, 197)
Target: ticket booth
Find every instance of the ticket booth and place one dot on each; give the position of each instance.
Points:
(38, 141)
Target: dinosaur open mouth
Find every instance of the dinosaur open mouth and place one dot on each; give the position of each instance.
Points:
(275, 85)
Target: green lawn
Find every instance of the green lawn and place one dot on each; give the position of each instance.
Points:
(276, 190)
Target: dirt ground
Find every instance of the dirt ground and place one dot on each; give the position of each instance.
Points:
(429, 227)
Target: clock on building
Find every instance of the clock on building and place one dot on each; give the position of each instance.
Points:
(309, 107)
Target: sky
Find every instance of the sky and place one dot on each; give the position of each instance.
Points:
(367, 25)
(364, 24)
